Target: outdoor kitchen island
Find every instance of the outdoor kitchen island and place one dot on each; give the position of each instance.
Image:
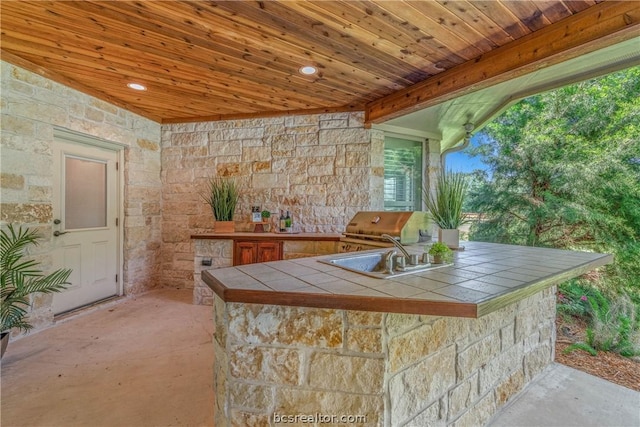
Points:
(447, 346)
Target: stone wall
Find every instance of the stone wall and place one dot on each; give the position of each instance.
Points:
(396, 370)
(31, 107)
(220, 251)
(323, 168)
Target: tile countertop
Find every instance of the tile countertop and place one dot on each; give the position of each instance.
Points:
(483, 278)
(243, 235)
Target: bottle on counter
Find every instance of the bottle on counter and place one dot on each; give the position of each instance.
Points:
(288, 223)
(283, 222)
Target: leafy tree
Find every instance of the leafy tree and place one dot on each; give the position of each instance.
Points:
(565, 172)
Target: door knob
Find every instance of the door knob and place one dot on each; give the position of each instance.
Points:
(56, 221)
(59, 233)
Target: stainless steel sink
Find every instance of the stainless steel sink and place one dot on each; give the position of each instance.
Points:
(371, 264)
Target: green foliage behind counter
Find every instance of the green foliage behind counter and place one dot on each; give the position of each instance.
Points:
(564, 172)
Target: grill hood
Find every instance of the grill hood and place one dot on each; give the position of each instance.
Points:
(404, 226)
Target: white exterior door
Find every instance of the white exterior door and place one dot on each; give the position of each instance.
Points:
(85, 209)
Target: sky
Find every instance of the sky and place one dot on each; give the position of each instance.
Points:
(460, 161)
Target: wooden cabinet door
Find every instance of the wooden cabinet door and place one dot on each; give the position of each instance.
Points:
(249, 252)
(269, 251)
(244, 253)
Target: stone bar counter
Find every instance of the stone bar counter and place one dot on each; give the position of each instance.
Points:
(443, 347)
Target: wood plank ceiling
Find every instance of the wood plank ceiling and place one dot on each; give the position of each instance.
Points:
(232, 59)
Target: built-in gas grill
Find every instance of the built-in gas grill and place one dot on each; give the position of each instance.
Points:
(365, 229)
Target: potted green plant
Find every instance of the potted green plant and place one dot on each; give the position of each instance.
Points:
(20, 278)
(265, 220)
(222, 197)
(444, 205)
(440, 253)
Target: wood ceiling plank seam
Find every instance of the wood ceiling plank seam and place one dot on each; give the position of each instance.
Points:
(553, 10)
(304, 56)
(440, 56)
(316, 38)
(181, 60)
(576, 6)
(130, 73)
(91, 73)
(18, 61)
(240, 50)
(442, 34)
(232, 57)
(400, 45)
(162, 94)
(446, 18)
(592, 29)
(483, 24)
(346, 84)
(528, 13)
(503, 17)
(361, 33)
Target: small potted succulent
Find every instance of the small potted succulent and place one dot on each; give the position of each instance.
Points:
(263, 226)
(265, 220)
(440, 253)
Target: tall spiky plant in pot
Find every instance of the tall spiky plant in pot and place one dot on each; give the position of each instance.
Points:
(21, 277)
(444, 205)
(222, 197)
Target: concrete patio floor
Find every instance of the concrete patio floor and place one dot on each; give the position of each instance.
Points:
(564, 397)
(143, 361)
(147, 361)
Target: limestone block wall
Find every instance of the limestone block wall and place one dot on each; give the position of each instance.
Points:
(31, 107)
(323, 168)
(395, 370)
(221, 254)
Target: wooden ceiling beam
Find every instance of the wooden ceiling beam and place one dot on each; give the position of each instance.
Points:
(594, 28)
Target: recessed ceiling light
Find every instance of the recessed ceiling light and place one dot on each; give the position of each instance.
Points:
(136, 86)
(308, 70)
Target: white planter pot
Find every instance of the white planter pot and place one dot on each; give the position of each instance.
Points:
(450, 237)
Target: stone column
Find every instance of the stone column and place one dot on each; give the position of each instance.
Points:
(432, 168)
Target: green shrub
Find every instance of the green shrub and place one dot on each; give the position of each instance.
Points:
(614, 326)
(572, 299)
(581, 346)
(613, 321)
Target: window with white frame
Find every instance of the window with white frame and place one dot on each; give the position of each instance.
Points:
(402, 175)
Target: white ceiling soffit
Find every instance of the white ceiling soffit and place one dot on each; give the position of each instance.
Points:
(445, 121)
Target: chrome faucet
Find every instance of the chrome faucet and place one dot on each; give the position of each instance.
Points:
(397, 245)
(387, 261)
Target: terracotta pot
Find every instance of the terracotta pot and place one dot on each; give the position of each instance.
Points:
(224, 227)
(437, 259)
(262, 227)
(450, 237)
